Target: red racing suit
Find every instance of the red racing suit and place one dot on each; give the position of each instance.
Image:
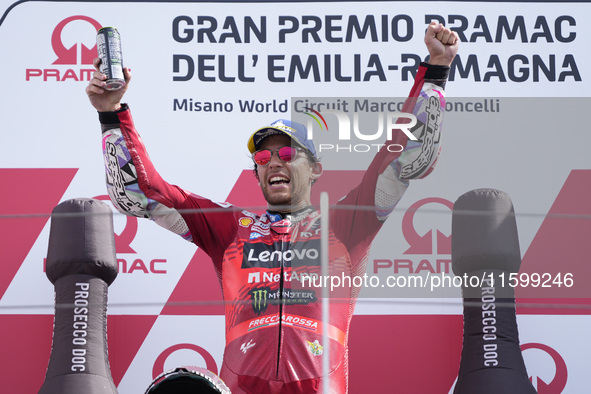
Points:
(268, 265)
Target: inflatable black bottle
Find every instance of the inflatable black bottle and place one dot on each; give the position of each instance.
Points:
(81, 264)
(485, 245)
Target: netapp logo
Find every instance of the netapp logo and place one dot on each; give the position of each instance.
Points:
(261, 255)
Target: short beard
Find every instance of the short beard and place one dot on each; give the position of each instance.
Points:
(282, 203)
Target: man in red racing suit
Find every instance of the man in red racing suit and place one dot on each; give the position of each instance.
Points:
(274, 328)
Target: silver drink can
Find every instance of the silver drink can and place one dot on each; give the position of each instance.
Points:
(108, 44)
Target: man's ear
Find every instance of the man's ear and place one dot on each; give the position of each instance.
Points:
(316, 171)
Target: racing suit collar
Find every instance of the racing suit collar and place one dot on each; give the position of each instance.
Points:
(292, 217)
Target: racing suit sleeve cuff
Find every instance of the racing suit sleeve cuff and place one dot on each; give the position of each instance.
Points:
(436, 74)
(112, 117)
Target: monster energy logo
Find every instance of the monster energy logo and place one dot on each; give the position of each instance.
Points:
(263, 297)
(259, 299)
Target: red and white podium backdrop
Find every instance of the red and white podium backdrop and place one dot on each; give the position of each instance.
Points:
(522, 77)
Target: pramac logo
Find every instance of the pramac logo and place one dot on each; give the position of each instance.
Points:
(426, 252)
(558, 382)
(423, 244)
(124, 239)
(80, 53)
(128, 260)
(159, 364)
(70, 55)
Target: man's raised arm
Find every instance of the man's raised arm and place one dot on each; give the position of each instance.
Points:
(133, 185)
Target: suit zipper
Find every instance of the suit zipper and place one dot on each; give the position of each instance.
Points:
(281, 284)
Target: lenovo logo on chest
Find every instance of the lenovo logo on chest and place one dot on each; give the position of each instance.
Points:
(261, 255)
